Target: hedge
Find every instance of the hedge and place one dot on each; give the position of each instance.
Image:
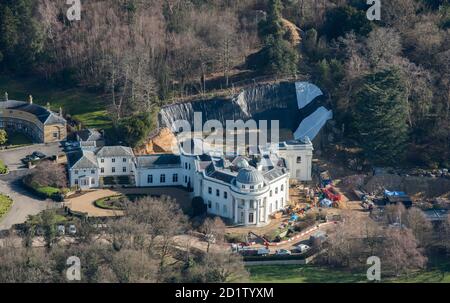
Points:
(46, 192)
(101, 203)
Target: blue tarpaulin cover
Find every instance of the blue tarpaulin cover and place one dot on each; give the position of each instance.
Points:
(306, 92)
(294, 217)
(394, 193)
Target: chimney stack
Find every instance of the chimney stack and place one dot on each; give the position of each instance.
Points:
(30, 99)
(6, 96)
(48, 105)
(60, 112)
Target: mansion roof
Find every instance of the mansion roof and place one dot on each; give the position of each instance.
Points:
(115, 151)
(82, 159)
(46, 116)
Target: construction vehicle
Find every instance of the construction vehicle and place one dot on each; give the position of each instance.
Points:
(331, 193)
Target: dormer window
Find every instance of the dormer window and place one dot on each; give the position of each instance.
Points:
(299, 159)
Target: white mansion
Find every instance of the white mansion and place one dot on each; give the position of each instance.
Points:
(245, 190)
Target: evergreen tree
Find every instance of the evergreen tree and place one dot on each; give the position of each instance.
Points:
(21, 37)
(381, 117)
(278, 56)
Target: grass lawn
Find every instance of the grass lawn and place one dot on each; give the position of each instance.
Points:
(301, 274)
(5, 204)
(88, 107)
(314, 274)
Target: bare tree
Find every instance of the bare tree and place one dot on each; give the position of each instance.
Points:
(214, 230)
(416, 220)
(400, 252)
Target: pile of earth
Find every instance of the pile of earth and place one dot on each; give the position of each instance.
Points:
(426, 187)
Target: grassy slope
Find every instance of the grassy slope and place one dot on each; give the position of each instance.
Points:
(89, 108)
(313, 274)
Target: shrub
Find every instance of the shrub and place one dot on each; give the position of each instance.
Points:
(5, 204)
(3, 168)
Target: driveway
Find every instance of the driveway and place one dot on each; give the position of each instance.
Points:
(85, 202)
(24, 204)
(12, 157)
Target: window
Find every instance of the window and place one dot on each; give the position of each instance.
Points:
(299, 159)
(282, 202)
(102, 160)
(276, 190)
(162, 178)
(175, 178)
(185, 165)
(270, 193)
(150, 179)
(124, 169)
(124, 160)
(209, 190)
(276, 204)
(76, 172)
(113, 160)
(93, 181)
(185, 179)
(252, 204)
(189, 166)
(76, 181)
(243, 186)
(225, 210)
(55, 135)
(225, 195)
(282, 187)
(92, 172)
(252, 187)
(113, 169)
(209, 204)
(250, 218)
(217, 193)
(217, 207)
(102, 170)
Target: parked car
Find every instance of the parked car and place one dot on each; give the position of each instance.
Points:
(283, 252)
(30, 158)
(38, 154)
(61, 230)
(263, 252)
(72, 229)
(302, 248)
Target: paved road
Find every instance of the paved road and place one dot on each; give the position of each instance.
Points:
(24, 204)
(12, 157)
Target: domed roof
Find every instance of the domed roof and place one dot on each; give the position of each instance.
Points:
(249, 175)
(242, 163)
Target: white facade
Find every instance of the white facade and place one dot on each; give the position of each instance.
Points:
(245, 190)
